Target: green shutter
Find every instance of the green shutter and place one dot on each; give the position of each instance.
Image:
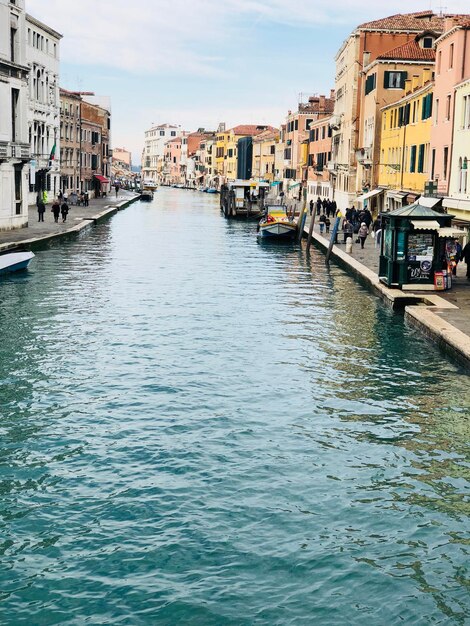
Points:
(386, 79)
(404, 76)
(413, 159)
(421, 159)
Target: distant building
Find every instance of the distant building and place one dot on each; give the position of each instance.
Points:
(42, 56)
(154, 149)
(95, 167)
(14, 144)
(70, 141)
(264, 155)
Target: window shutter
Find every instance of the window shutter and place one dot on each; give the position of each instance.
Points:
(386, 80)
(407, 113)
(403, 77)
(413, 159)
(421, 159)
(430, 100)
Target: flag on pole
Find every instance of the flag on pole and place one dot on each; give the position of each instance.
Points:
(52, 155)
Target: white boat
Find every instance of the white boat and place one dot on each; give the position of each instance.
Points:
(15, 261)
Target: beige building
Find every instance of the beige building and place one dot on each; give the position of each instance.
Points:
(70, 128)
(264, 155)
(458, 200)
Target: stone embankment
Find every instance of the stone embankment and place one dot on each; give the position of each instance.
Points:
(78, 219)
(444, 318)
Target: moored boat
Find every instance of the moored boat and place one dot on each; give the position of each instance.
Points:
(15, 261)
(276, 224)
(146, 195)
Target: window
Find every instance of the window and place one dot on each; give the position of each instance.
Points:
(296, 125)
(446, 159)
(395, 80)
(433, 163)
(439, 62)
(448, 105)
(371, 83)
(15, 95)
(18, 189)
(428, 42)
(436, 119)
(173, 133)
(466, 112)
(421, 159)
(13, 38)
(451, 56)
(426, 109)
(162, 133)
(308, 121)
(413, 159)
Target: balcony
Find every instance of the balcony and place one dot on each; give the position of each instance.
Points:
(332, 167)
(364, 156)
(13, 150)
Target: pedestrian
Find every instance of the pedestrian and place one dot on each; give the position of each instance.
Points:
(60, 195)
(347, 230)
(311, 204)
(322, 223)
(327, 225)
(465, 256)
(64, 210)
(56, 210)
(334, 207)
(325, 205)
(362, 234)
(367, 218)
(348, 215)
(45, 199)
(453, 254)
(41, 208)
(86, 199)
(318, 205)
(73, 198)
(377, 229)
(116, 187)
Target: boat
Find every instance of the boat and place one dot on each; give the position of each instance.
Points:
(276, 224)
(15, 261)
(211, 190)
(243, 199)
(147, 195)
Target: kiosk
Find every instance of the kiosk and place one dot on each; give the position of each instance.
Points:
(413, 248)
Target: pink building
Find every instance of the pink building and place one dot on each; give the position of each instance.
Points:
(452, 68)
(173, 151)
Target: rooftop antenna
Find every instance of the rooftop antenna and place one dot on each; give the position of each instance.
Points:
(441, 10)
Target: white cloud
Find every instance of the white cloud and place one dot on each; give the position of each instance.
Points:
(156, 37)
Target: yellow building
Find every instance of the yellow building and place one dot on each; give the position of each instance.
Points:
(220, 152)
(404, 146)
(264, 155)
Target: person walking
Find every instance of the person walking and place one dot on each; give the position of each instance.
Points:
(347, 230)
(327, 225)
(318, 205)
(45, 199)
(362, 234)
(86, 198)
(311, 203)
(64, 210)
(465, 256)
(116, 187)
(322, 221)
(56, 210)
(41, 208)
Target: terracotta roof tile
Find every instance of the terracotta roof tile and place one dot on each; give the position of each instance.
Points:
(249, 129)
(408, 21)
(410, 51)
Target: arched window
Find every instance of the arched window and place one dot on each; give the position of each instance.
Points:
(464, 175)
(37, 95)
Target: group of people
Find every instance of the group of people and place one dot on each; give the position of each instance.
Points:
(59, 206)
(454, 254)
(326, 207)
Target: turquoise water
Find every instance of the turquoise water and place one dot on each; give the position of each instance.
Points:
(198, 429)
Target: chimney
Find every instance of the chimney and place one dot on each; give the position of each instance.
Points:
(415, 82)
(408, 85)
(449, 23)
(332, 94)
(322, 104)
(426, 76)
(365, 59)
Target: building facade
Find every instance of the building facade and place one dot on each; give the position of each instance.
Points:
(264, 155)
(42, 55)
(14, 143)
(405, 143)
(154, 150)
(458, 198)
(70, 141)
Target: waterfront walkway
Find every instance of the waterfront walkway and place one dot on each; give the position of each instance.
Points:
(77, 218)
(447, 316)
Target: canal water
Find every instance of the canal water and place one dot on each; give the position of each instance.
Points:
(199, 429)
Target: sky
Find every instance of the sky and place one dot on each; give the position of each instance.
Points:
(200, 62)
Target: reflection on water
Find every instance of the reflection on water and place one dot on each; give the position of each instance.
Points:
(196, 428)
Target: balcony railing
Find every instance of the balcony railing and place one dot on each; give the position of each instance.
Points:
(13, 150)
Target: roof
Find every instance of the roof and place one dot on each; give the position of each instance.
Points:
(267, 135)
(410, 51)
(415, 210)
(174, 140)
(250, 129)
(407, 21)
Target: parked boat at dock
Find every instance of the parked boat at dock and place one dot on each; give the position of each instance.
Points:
(277, 225)
(15, 261)
(243, 199)
(146, 195)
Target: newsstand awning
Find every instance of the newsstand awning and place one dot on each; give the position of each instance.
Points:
(451, 232)
(425, 224)
(369, 194)
(103, 180)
